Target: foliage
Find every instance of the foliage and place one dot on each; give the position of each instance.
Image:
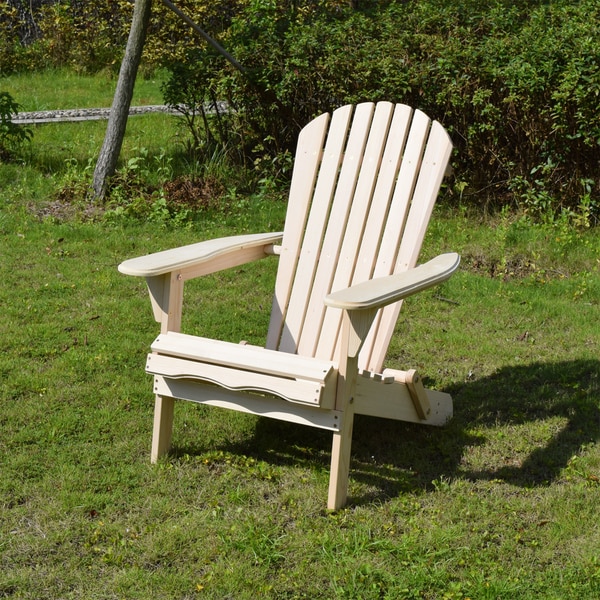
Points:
(190, 91)
(170, 40)
(157, 177)
(91, 37)
(516, 84)
(12, 136)
(522, 100)
(9, 40)
(81, 35)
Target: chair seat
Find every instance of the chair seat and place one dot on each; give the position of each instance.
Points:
(240, 367)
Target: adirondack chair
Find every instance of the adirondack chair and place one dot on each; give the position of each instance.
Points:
(363, 187)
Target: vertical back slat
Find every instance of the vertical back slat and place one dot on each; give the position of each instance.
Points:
(316, 226)
(306, 165)
(361, 198)
(395, 224)
(430, 176)
(380, 206)
(403, 194)
(351, 242)
(336, 226)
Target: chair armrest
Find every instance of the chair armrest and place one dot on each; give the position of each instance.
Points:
(381, 291)
(196, 255)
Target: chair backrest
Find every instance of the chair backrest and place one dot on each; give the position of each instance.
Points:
(363, 188)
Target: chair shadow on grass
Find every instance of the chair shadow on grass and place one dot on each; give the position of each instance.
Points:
(390, 457)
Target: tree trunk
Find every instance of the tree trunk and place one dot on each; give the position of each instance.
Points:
(117, 123)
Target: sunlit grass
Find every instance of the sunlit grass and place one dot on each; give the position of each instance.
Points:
(56, 145)
(502, 503)
(63, 89)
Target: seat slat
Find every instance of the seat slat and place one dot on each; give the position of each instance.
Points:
(244, 357)
(427, 186)
(403, 195)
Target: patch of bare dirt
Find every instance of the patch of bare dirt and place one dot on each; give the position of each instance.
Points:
(61, 210)
(512, 267)
(73, 201)
(193, 193)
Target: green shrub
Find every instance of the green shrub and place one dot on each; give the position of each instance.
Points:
(12, 136)
(517, 84)
(85, 36)
(91, 36)
(11, 50)
(191, 91)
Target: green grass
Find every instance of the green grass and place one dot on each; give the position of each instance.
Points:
(82, 141)
(58, 144)
(501, 503)
(52, 90)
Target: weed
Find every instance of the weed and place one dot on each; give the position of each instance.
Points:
(12, 136)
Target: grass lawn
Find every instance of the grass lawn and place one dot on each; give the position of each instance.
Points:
(503, 502)
(52, 90)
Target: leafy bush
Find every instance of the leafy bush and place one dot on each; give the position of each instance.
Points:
(517, 84)
(11, 34)
(12, 136)
(91, 36)
(85, 36)
(521, 97)
(190, 91)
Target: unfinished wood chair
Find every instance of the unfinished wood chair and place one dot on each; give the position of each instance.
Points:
(364, 184)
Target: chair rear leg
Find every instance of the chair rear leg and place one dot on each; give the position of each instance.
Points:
(340, 463)
(163, 427)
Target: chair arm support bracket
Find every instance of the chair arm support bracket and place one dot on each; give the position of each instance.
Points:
(166, 271)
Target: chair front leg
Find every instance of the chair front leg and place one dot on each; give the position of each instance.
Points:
(163, 426)
(355, 327)
(166, 293)
(341, 449)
